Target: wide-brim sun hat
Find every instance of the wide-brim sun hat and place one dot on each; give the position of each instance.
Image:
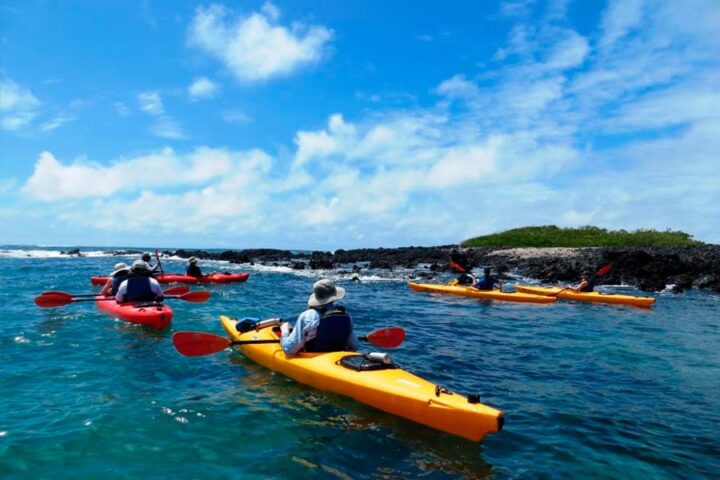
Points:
(120, 267)
(324, 292)
(192, 260)
(140, 266)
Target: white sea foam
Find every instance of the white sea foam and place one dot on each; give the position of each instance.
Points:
(40, 254)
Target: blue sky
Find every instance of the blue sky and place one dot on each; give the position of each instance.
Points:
(324, 125)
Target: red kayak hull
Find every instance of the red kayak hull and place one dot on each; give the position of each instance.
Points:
(156, 316)
(177, 278)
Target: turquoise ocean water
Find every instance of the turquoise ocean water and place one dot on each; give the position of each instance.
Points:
(589, 391)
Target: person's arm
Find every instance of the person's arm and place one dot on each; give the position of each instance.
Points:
(156, 289)
(120, 295)
(107, 287)
(293, 342)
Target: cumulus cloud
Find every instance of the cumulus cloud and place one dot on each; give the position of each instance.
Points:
(256, 47)
(18, 106)
(202, 88)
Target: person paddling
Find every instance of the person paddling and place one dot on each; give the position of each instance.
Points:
(323, 327)
(587, 284)
(459, 262)
(488, 281)
(119, 275)
(193, 270)
(139, 286)
(146, 257)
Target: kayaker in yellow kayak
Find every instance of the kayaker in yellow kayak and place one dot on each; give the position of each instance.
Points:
(488, 281)
(587, 284)
(139, 285)
(323, 327)
(193, 270)
(119, 275)
(459, 263)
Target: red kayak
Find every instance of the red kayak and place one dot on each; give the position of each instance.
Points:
(176, 277)
(156, 315)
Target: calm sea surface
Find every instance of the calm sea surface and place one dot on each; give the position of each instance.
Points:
(589, 391)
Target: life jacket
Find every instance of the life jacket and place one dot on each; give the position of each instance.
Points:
(465, 279)
(486, 283)
(138, 289)
(117, 280)
(590, 285)
(193, 271)
(333, 331)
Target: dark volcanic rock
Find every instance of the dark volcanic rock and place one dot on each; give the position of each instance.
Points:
(74, 251)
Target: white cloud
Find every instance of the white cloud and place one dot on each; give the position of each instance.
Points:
(570, 52)
(56, 122)
(51, 180)
(255, 47)
(202, 88)
(122, 109)
(236, 117)
(166, 127)
(18, 106)
(151, 102)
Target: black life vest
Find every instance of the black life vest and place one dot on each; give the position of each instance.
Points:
(332, 332)
(193, 271)
(590, 285)
(138, 289)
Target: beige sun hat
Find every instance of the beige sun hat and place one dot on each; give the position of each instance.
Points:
(324, 292)
(192, 260)
(140, 266)
(119, 267)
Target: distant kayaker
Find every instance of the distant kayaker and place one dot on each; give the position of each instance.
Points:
(119, 275)
(323, 327)
(459, 262)
(146, 257)
(587, 284)
(488, 281)
(139, 286)
(193, 270)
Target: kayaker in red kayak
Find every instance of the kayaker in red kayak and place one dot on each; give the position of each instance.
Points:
(193, 270)
(139, 286)
(119, 275)
(146, 257)
(323, 327)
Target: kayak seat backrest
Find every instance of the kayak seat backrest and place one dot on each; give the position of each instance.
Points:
(332, 332)
(138, 290)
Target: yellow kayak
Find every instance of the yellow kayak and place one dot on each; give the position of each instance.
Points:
(392, 390)
(483, 294)
(616, 299)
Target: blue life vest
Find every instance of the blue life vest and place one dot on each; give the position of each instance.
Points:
(117, 280)
(138, 290)
(486, 283)
(333, 331)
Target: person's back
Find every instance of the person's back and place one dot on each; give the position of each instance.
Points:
(193, 270)
(333, 330)
(139, 286)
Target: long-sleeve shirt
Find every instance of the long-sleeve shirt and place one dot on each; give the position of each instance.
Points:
(154, 286)
(305, 330)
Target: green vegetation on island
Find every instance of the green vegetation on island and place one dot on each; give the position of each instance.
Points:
(588, 236)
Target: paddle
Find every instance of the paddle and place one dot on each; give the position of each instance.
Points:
(170, 291)
(157, 255)
(195, 344)
(49, 301)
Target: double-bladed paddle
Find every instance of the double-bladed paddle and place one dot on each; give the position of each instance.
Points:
(49, 301)
(170, 291)
(195, 344)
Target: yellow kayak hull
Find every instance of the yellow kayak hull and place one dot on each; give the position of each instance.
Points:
(394, 391)
(482, 294)
(596, 297)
